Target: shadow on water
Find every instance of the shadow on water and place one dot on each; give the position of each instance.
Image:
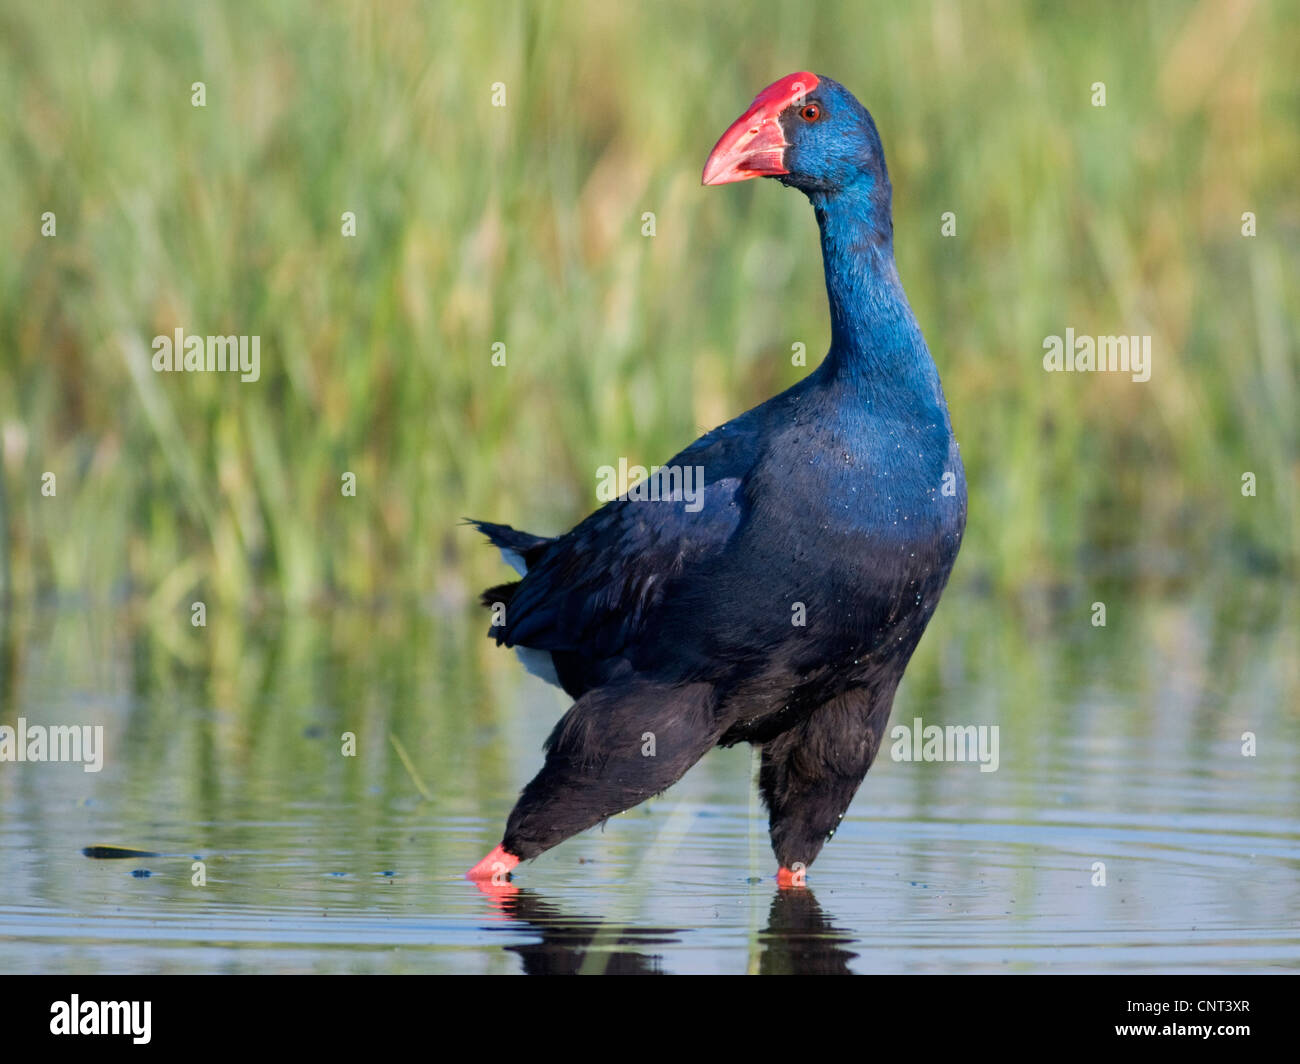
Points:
(1144, 815)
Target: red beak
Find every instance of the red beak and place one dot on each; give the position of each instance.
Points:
(754, 145)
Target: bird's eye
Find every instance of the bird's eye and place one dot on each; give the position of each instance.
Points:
(810, 112)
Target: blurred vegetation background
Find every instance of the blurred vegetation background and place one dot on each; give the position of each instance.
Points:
(523, 225)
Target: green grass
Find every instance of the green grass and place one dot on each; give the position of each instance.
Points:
(522, 225)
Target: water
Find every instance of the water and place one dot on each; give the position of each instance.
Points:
(1120, 745)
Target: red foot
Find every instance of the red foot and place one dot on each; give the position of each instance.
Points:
(785, 879)
(495, 866)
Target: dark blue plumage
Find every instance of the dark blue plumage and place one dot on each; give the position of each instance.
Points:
(840, 502)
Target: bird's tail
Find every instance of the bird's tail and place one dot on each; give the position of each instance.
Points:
(507, 538)
(519, 550)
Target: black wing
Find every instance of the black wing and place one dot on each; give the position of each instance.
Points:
(593, 591)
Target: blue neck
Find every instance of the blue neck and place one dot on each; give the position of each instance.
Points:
(876, 345)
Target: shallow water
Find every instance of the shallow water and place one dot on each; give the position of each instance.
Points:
(1120, 745)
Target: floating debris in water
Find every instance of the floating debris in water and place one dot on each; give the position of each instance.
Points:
(115, 853)
(141, 873)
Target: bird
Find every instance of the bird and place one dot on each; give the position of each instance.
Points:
(779, 604)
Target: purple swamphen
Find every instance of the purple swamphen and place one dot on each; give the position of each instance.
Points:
(779, 607)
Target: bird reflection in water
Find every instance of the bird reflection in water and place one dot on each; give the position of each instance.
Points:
(799, 938)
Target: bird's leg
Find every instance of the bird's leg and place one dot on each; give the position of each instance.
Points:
(810, 774)
(615, 748)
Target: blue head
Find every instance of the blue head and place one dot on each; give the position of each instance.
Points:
(809, 132)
